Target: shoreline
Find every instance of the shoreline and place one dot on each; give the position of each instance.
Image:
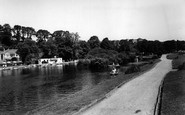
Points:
(137, 96)
(36, 65)
(84, 99)
(112, 91)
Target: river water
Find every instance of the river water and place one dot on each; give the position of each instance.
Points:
(22, 90)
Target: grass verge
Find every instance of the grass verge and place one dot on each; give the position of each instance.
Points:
(173, 95)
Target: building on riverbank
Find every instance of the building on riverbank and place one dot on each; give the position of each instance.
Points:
(9, 56)
(50, 61)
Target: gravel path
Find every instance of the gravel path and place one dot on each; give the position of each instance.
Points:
(135, 97)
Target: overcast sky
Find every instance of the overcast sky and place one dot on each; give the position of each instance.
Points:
(115, 19)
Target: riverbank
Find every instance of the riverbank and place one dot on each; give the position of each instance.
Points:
(173, 93)
(36, 65)
(137, 96)
(79, 100)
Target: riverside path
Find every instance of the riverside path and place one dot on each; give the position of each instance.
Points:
(136, 97)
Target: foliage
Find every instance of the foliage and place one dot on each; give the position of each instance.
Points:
(67, 45)
(182, 66)
(172, 56)
(170, 46)
(178, 61)
(106, 44)
(94, 42)
(42, 35)
(102, 53)
(28, 51)
(20, 33)
(84, 49)
(6, 35)
(133, 68)
(150, 47)
(125, 46)
(84, 63)
(99, 63)
(132, 57)
(122, 58)
(49, 49)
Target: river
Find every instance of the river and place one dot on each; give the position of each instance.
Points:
(22, 90)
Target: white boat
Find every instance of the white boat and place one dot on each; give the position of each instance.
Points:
(114, 72)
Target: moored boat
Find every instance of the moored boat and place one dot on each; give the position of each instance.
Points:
(114, 73)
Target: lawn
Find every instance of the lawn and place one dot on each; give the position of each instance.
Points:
(177, 60)
(173, 93)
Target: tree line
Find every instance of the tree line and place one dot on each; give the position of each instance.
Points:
(68, 45)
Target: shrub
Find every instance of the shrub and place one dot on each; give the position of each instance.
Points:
(99, 63)
(104, 54)
(155, 57)
(84, 63)
(132, 58)
(151, 62)
(122, 59)
(132, 69)
(172, 56)
(181, 67)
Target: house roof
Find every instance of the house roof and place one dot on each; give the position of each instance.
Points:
(10, 51)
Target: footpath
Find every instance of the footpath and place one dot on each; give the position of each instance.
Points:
(139, 96)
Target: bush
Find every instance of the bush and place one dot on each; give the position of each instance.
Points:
(99, 63)
(155, 57)
(84, 63)
(122, 59)
(132, 58)
(172, 56)
(151, 62)
(132, 69)
(102, 53)
(181, 67)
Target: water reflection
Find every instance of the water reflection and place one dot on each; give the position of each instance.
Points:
(25, 89)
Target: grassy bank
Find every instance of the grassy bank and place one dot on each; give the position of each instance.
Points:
(75, 102)
(177, 60)
(173, 96)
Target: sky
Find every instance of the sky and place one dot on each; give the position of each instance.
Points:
(115, 19)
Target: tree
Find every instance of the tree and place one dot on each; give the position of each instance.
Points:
(106, 44)
(48, 48)
(65, 52)
(1, 28)
(94, 42)
(24, 33)
(110, 55)
(116, 45)
(122, 58)
(170, 46)
(6, 35)
(42, 35)
(7, 28)
(84, 49)
(74, 37)
(67, 44)
(17, 32)
(28, 51)
(29, 32)
(142, 46)
(125, 46)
